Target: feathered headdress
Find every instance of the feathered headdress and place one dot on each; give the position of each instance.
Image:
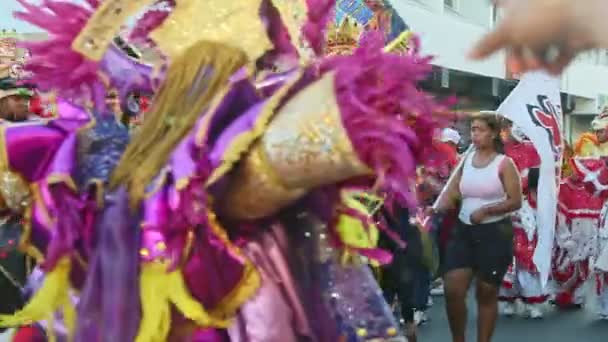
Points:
(56, 66)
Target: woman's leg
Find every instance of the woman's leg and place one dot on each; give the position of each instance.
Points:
(487, 308)
(457, 283)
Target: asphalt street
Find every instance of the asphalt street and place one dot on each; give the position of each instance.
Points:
(557, 326)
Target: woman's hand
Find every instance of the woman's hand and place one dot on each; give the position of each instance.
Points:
(546, 33)
(479, 215)
(430, 211)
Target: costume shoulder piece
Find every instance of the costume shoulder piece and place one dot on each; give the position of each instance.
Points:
(586, 144)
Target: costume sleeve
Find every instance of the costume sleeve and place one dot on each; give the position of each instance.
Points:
(585, 146)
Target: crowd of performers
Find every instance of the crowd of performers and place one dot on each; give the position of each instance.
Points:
(579, 252)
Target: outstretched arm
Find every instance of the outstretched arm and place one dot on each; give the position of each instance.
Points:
(546, 34)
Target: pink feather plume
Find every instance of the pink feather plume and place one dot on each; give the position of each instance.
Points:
(150, 20)
(390, 121)
(320, 12)
(54, 65)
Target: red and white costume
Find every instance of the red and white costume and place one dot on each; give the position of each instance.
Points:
(522, 281)
(592, 155)
(524, 155)
(576, 237)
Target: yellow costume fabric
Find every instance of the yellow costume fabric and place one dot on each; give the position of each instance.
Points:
(589, 146)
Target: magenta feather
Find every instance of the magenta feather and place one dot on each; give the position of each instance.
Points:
(391, 122)
(320, 13)
(150, 20)
(55, 66)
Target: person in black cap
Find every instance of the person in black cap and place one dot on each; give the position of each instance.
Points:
(14, 192)
(14, 100)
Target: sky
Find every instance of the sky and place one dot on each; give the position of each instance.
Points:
(8, 22)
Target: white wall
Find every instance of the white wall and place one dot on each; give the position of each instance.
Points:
(585, 79)
(449, 35)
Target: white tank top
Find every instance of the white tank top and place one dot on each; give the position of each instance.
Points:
(480, 187)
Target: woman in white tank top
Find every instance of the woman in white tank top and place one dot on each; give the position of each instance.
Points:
(488, 189)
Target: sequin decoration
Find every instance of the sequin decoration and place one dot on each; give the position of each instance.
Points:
(100, 149)
(235, 23)
(255, 191)
(14, 190)
(304, 146)
(153, 247)
(353, 296)
(306, 143)
(99, 32)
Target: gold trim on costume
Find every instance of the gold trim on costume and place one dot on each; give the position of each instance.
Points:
(25, 245)
(236, 23)
(304, 146)
(242, 142)
(99, 32)
(399, 44)
(255, 190)
(306, 143)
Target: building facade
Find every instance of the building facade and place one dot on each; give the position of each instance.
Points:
(449, 28)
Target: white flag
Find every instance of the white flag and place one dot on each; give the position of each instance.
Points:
(535, 106)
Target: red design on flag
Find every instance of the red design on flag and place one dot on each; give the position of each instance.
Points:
(546, 115)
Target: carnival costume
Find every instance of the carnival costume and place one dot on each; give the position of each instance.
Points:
(522, 281)
(590, 161)
(229, 203)
(14, 199)
(576, 232)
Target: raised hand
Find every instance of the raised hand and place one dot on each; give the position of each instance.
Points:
(546, 33)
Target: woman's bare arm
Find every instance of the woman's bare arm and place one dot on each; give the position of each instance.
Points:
(449, 198)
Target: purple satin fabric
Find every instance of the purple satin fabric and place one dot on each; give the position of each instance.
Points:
(241, 125)
(272, 83)
(109, 307)
(32, 148)
(213, 270)
(210, 335)
(68, 229)
(177, 206)
(37, 150)
(240, 97)
(155, 217)
(69, 111)
(126, 74)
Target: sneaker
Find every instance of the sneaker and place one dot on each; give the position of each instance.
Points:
(534, 311)
(420, 317)
(602, 317)
(507, 308)
(437, 290)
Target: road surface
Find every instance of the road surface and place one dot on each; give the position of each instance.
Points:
(557, 326)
